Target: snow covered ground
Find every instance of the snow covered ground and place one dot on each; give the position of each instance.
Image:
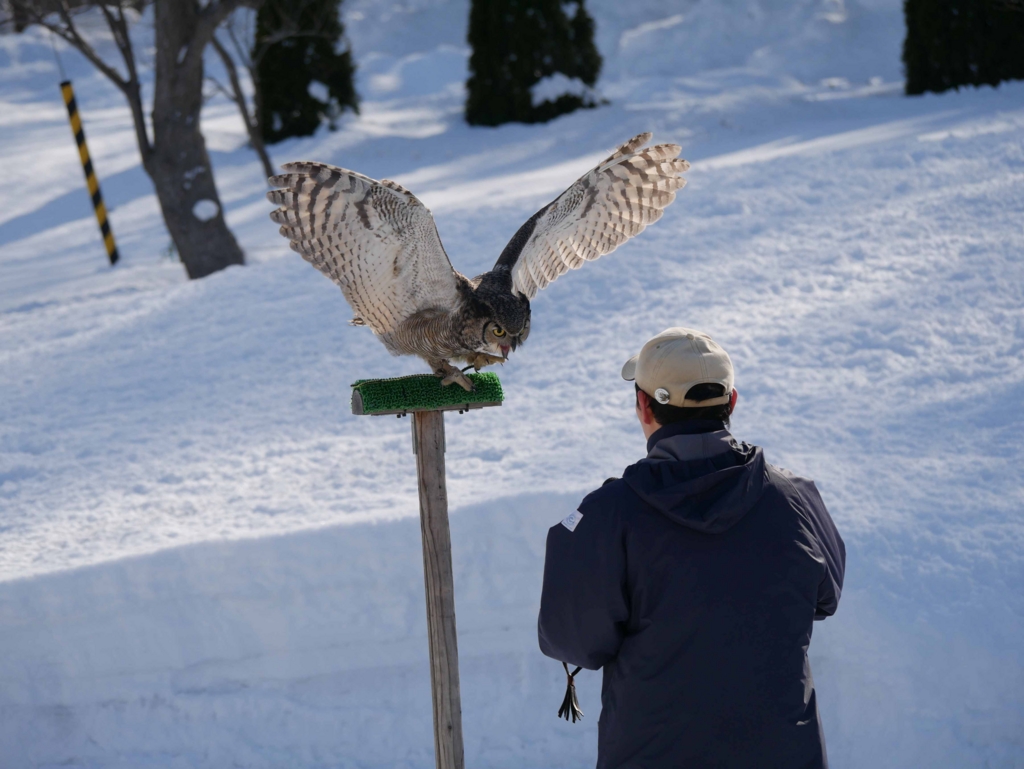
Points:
(206, 561)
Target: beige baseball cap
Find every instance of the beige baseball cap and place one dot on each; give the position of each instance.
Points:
(676, 360)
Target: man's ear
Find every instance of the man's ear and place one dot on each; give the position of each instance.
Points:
(643, 401)
(732, 401)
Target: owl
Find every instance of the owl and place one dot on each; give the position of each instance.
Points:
(379, 243)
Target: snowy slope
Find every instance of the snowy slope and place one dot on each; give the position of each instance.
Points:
(206, 560)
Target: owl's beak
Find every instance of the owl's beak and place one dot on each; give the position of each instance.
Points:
(515, 343)
(504, 350)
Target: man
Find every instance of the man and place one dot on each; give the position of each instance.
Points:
(694, 581)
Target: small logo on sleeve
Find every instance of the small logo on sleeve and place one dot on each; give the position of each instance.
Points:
(572, 520)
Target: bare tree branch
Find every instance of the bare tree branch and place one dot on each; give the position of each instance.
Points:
(211, 17)
(68, 32)
(241, 51)
(252, 125)
(124, 42)
(265, 43)
(290, 30)
(249, 52)
(133, 88)
(229, 67)
(223, 90)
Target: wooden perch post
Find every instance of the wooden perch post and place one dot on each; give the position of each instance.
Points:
(428, 443)
(426, 400)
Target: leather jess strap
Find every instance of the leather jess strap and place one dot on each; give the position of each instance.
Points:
(570, 705)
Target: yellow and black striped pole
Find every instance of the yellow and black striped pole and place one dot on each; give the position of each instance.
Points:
(90, 173)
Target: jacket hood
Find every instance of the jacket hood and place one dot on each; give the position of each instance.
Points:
(698, 475)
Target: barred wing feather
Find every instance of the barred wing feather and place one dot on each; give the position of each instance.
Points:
(597, 214)
(374, 239)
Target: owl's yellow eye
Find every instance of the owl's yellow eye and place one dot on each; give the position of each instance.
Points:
(499, 332)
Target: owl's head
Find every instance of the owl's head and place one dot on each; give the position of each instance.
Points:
(504, 315)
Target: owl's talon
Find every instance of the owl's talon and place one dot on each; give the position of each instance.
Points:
(459, 378)
(451, 375)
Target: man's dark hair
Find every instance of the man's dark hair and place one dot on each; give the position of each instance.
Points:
(666, 414)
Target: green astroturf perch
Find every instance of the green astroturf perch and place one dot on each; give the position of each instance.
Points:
(404, 395)
(426, 398)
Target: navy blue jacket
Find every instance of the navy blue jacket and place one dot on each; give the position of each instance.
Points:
(694, 581)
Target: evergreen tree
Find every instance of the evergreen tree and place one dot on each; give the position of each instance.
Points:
(951, 43)
(300, 41)
(517, 43)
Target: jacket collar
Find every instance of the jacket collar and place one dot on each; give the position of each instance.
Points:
(691, 427)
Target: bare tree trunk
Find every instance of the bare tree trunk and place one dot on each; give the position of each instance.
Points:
(176, 159)
(179, 164)
(252, 124)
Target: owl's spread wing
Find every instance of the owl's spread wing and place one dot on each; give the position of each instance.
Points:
(374, 239)
(597, 214)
